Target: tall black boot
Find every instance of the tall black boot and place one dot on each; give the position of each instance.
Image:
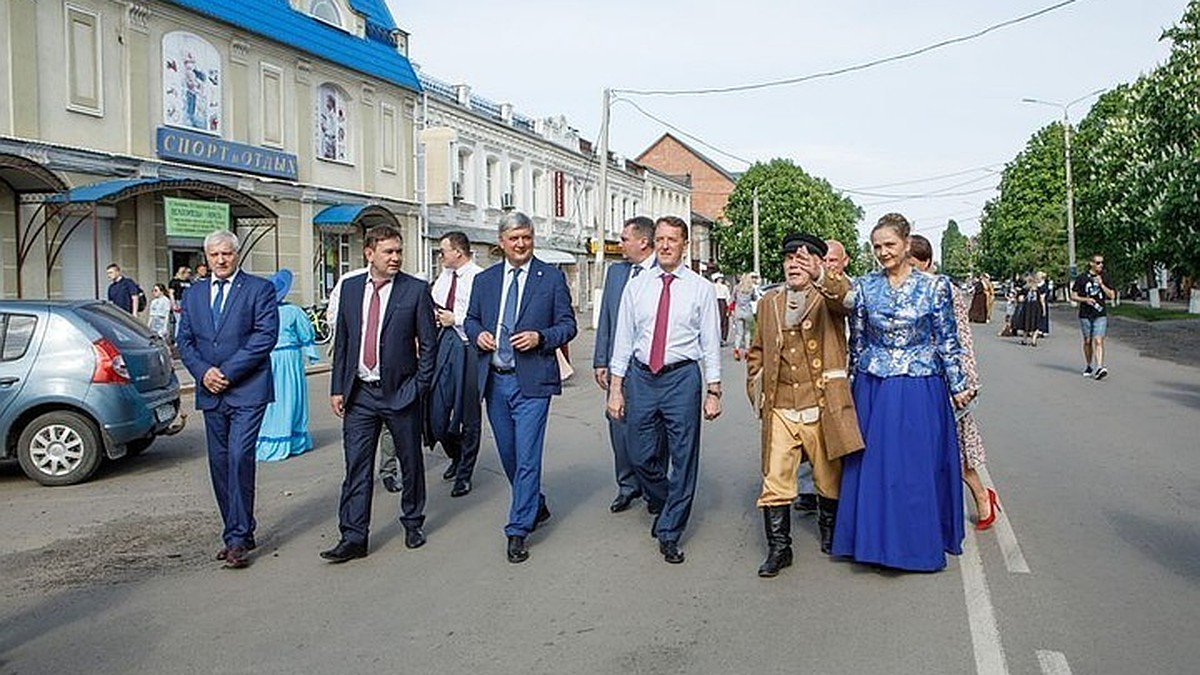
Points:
(777, 521)
(826, 517)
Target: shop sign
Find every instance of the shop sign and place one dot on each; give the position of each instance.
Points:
(560, 195)
(192, 218)
(194, 148)
(610, 248)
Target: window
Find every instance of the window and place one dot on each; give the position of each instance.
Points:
(17, 332)
(492, 178)
(84, 82)
(191, 80)
(333, 123)
(537, 194)
(465, 190)
(514, 184)
(388, 137)
(327, 11)
(272, 105)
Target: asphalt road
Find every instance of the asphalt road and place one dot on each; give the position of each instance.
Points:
(1093, 568)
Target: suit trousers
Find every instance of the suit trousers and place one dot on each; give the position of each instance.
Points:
(788, 443)
(365, 417)
(232, 433)
(619, 438)
(668, 404)
(519, 426)
(463, 447)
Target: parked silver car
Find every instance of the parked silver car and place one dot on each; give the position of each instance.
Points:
(79, 381)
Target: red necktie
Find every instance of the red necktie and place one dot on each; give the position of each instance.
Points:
(371, 348)
(658, 345)
(453, 287)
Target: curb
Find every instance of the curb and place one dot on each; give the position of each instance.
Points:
(190, 387)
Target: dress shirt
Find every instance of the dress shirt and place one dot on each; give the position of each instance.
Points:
(212, 289)
(694, 331)
(331, 306)
(372, 374)
(508, 277)
(462, 292)
(648, 264)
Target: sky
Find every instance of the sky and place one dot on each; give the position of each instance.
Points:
(931, 133)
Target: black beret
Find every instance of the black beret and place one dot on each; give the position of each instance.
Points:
(814, 244)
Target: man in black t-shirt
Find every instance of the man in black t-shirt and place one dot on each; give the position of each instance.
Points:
(123, 291)
(1092, 291)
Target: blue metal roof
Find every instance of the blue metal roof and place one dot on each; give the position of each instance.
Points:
(339, 214)
(276, 20)
(98, 191)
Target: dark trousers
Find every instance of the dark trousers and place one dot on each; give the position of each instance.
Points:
(519, 425)
(463, 447)
(365, 417)
(621, 440)
(667, 404)
(232, 434)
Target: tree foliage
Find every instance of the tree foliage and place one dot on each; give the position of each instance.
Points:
(956, 254)
(789, 200)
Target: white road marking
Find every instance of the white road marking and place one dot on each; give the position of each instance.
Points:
(1014, 560)
(981, 617)
(1053, 663)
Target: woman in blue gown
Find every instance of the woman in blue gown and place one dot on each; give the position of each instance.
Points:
(284, 430)
(901, 498)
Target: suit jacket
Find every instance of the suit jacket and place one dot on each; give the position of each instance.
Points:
(449, 376)
(545, 307)
(240, 346)
(614, 286)
(406, 340)
(822, 327)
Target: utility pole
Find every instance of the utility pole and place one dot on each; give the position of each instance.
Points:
(755, 211)
(601, 211)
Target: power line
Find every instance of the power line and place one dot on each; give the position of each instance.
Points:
(905, 198)
(672, 127)
(986, 167)
(932, 193)
(846, 69)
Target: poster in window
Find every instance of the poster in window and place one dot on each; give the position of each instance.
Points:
(191, 83)
(332, 123)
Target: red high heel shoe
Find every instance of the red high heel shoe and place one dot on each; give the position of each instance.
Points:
(985, 523)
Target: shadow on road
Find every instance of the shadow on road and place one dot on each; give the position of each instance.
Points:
(1186, 394)
(1172, 543)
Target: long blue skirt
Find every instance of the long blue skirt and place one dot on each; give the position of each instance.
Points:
(901, 498)
(284, 430)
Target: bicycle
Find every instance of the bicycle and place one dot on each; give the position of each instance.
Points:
(321, 327)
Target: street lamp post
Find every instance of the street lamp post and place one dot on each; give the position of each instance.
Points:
(1066, 107)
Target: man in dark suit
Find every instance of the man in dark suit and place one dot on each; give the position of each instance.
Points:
(382, 366)
(637, 241)
(227, 329)
(519, 314)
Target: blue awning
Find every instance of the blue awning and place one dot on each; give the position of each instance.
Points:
(98, 192)
(110, 192)
(345, 218)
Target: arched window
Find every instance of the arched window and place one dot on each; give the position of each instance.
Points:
(327, 11)
(333, 123)
(191, 83)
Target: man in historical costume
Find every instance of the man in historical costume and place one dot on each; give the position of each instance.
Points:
(797, 381)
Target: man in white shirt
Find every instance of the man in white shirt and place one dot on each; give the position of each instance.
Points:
(456, 373)
(724, 295)
(666, 369)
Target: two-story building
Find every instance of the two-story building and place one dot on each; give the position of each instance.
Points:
(130, 129)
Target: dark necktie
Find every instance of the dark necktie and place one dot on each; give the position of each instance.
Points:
(637, 269)
(453, 287)
(504, 349)
(371, 348)
(218, 306)
(658, 344)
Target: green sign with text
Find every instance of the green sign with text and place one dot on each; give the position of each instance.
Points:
(191, 218)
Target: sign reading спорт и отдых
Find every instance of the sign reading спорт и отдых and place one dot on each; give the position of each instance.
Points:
(196, 148)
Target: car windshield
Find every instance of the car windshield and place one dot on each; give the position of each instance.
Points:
(117, 325)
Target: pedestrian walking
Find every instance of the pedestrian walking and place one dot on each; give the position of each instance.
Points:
(745, 297)
(227, 329)
(160, 311)
(123, 291)
(284, 431)
(1093, 291)
(666, 372)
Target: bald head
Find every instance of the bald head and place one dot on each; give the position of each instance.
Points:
(836, 258)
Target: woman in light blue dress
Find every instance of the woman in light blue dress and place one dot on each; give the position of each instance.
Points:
(901, 497)
(284, 430)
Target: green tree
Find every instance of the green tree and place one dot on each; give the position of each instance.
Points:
(955, 256)
(790, 200)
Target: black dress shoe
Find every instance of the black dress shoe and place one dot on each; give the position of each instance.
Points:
(389, 483)
(414, 537)
(517, 553)
(670, 552)
(654, 527)
(451, 471)
(345, 551)
(237, 557)
(462, 488)
(543, 515)
(805, 503)
(623, 501)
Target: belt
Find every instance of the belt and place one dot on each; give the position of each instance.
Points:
(503, 371)
(370, 383)
(665, 369)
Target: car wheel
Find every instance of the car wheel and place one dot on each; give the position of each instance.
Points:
(135, 448)
(59, 448)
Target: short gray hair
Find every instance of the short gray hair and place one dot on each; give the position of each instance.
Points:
(515, 220)
(220, 236)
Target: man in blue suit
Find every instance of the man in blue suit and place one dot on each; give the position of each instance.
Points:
(382, 367)
(227, 328)
(519, 314)
(637, 242)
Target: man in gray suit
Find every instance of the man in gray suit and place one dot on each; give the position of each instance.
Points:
(637, 242)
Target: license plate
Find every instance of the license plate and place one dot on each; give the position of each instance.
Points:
(165, 412)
